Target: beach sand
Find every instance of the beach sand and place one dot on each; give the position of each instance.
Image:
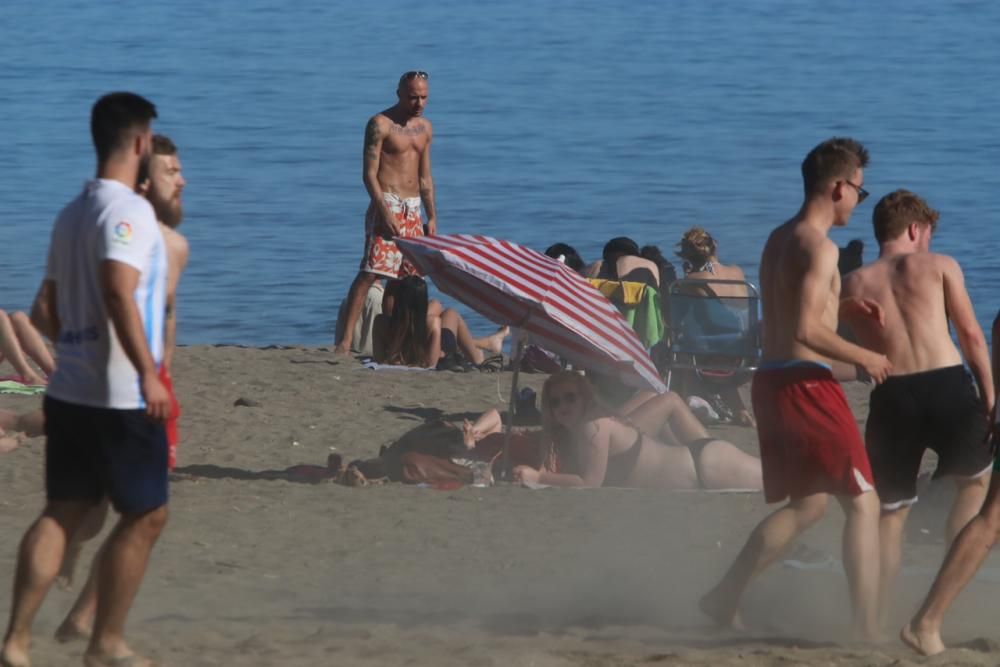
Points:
(253, 571)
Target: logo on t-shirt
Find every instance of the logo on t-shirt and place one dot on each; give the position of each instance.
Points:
(123, 232)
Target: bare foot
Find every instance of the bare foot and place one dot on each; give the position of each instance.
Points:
(34, 379)
(9, 443)
(14, 655)
(712, 607)
(70, 632)
(494, 342)
(744, 418)
(342, 350)
(924, 643)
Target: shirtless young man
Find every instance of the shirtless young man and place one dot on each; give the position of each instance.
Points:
(966, 555)
(397, 175)
(809, 443)
(162, 186)
(929, 400)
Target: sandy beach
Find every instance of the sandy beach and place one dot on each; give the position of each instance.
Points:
(254, 571)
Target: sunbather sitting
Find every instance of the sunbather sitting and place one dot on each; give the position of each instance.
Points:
(407, 334)
(20, 341)
(658, 443)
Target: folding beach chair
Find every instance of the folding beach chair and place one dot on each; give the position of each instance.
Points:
(717, 337)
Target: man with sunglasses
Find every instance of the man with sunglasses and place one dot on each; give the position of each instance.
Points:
(930, 400)
(809, 442)
(397, 175)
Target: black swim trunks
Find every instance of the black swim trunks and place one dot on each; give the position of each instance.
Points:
(91, 453)
(908, 414)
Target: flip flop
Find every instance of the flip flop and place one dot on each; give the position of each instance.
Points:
(492, 364)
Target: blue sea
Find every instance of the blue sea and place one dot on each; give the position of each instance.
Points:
(554, 121)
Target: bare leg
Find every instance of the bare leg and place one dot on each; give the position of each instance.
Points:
(765, 545)
(725, 466)
(861, 561)
(91, 527)
(12, 350)
(967, 553)
(489, 422)
(38, 562)
(668, 418)
(355, 304)
(969, 497)
(470, 347)
(32, 342)
(119, 572)
(32, 424)
(890, 535)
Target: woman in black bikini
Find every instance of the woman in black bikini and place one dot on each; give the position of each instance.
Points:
(588, 446)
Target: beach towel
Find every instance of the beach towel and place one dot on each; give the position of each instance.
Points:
(14, 387)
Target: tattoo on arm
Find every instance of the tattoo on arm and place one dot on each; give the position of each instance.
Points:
(371, 141)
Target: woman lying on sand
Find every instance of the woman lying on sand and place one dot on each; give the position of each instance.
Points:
(658, 443)
(407, 333)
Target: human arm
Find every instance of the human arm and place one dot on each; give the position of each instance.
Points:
(967, 330)
(44, 315)
(118, 284)
(178, 257)
(427, 185)
(374, 136)
(812, 332)
(592, 453)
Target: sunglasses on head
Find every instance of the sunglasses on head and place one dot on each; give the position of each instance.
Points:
(569, 398)
(862, 193)
(415, 74)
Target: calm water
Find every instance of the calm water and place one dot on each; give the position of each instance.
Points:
(554, 121)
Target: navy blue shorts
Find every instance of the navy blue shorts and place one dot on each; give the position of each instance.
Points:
(91, 453)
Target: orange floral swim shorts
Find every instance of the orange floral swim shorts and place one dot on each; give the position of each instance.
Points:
(382, 257)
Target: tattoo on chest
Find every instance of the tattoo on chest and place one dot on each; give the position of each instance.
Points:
(407, 131)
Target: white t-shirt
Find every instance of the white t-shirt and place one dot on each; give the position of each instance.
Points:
(107, 221)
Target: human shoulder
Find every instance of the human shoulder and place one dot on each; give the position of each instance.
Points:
(177, 244)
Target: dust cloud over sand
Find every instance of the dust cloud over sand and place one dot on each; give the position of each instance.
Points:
(264, 572)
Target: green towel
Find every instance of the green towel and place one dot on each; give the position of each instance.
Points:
(11, 387)
(646, 318)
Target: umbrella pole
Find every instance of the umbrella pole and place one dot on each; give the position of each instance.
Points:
(505, 471)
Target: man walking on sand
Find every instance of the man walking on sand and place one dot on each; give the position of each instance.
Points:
(809, 443)
(105, 405)
(967, 553)
(162, 186)
(397, 175)
(929, 400)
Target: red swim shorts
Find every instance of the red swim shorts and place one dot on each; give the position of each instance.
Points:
(173, 437)
(809, 440)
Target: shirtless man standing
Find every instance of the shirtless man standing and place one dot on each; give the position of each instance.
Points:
(930, 400)
(809, 443)
(397, 175)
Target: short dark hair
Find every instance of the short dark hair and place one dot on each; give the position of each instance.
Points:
(114, 118)
(162, 145)
(894, 212)
(570, 256)
(834, 159)
(620, 245)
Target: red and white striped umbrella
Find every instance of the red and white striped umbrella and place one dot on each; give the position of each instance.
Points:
(558, 309)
